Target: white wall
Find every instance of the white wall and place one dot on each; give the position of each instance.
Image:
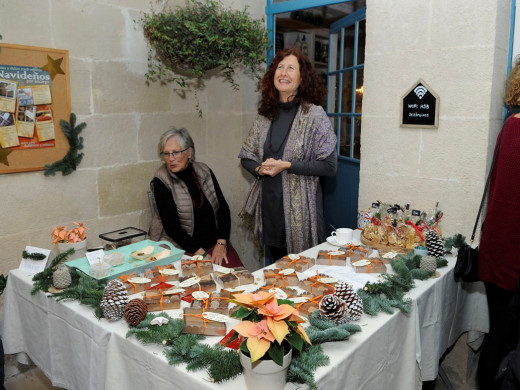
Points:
(459, 49)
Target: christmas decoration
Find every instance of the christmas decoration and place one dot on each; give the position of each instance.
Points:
(43, 280)
(428, 263)
(61, 277)
(456, 241)
(53, 66)
(434, 244)
(135, 311)
(334, 308)
(352, 300)
(33, 256)
(114, 300)
(72, 159)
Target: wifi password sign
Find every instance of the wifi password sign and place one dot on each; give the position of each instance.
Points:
(420, 91)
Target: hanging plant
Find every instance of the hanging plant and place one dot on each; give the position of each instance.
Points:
(187, 42)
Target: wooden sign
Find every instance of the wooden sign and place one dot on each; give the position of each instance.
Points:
(34, 97)
(420, 107)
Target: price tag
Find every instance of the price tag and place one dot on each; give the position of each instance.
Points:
(287, 271)
(174, 291)
(189, 282)
(278, 293)
(138, 280)
(361, 263)
(215, 316)
(336, 253)
(329, 280)
(200, 295)
(222, 270)
(390, 255)
(299, 299)
(292, 256)
(169, 271)
(197, 257)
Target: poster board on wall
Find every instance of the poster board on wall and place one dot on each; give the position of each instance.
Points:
(34, 98)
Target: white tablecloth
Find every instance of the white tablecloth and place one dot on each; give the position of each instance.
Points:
(398, 351)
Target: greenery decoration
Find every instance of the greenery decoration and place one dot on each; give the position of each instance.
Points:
(187, 42)
(43, 280)
(33, 256)
(455, 241)
(72, 159)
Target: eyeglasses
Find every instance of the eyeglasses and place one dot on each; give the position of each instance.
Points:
(173, 154)
(288, 68)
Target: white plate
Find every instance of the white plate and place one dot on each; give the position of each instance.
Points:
(332, 241)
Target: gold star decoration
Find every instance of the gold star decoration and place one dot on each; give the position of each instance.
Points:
(53, 66)
(3, 156)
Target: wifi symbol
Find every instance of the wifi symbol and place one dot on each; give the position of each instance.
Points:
(420, 91)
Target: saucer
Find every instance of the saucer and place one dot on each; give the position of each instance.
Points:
(332, 241)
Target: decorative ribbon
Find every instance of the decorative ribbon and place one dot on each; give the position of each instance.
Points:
(331, 256)
(204, 320)
(372, 261)
(367, 251)
(316, 280)
(207, 300)
(375, 221)
(418, 229)
(314, 300)
(304, 261)
(196, 262)
(276, 276)
(160, 294)
(125, 278)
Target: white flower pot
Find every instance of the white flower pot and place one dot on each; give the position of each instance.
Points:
(265, 374)
(79, 247)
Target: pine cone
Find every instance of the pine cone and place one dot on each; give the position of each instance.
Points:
(333, 308)
(352, 300)
(61, 277)
(114, 300)
(434, 244)
(428, 263)
(135, 311)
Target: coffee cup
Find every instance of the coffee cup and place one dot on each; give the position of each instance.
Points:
(343, 235)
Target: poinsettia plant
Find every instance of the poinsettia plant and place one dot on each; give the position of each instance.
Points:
(269, 326)
(76, 234)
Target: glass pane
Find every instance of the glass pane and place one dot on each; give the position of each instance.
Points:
(344, 137)
(346, 92)
(357, 137)
(332, 98)
(348, 46)
(361, 42)
(359, 90)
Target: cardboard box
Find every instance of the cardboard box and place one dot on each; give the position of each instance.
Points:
(238, 277)
(319, 284)
(162, 300)
(197, 265)
(369, 266)
(216, 303)
(279, 278)
(205, 283)
(197, 324)
(337, 258)
(296, 262)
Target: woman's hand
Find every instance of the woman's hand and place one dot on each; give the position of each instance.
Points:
(219, 255)
(272, 167)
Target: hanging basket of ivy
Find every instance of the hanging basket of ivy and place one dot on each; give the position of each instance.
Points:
(202, 36)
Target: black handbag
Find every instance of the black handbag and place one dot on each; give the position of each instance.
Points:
(466, 267)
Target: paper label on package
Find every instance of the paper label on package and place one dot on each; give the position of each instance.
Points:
(336, 253)
(169, 271)
(95, 256)
(299, 299)
(209, 315)
(328, 280)
(200, 295)
(278, 293)
(190, 282)
(222, 270)
(174, 291)
(361, 263)
(292, 256)
(197, 257)
(138, 280)
(287, 271)
(390, 255)
(34, 266)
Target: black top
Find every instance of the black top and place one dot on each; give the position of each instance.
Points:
(205, 232)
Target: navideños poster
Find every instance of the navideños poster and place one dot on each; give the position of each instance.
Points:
(34, 97)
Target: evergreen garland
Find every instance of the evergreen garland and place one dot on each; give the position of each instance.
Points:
(72, 159)
(33, 256)
(43, 280)
(455, 241)
(87, 290)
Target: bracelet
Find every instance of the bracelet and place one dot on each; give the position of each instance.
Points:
(224, 245)
(257, 172)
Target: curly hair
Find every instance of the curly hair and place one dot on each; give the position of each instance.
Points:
(512, 96)
(312, 89)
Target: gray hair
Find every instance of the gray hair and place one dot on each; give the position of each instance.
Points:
(182, 135)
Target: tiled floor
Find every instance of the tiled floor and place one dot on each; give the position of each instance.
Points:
(32, 379)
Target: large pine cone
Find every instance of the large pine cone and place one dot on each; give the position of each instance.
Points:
(352, 300)
(428, 263)
(61, 277)
(434, 244)
(135, 311)
(114, 300)
(333, 308)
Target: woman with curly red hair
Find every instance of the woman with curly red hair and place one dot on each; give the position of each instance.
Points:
(290, 145)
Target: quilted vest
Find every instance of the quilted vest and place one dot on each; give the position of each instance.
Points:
(182, 199)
